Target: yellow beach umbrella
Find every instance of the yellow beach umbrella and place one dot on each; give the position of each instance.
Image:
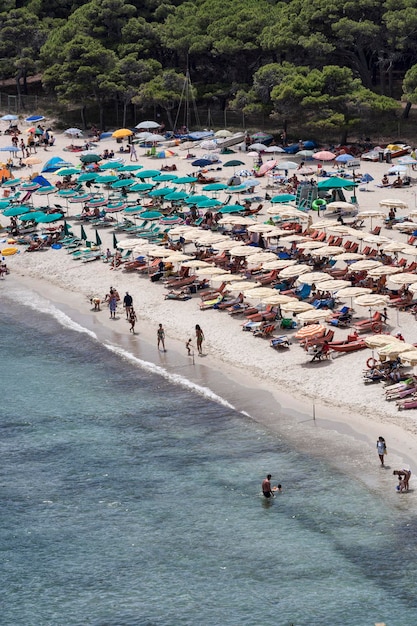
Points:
(121, 133)
(379, 341)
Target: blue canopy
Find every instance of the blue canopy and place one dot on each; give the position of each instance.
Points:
(41, 181)
(55, 164)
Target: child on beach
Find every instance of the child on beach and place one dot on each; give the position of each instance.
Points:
(188, 345)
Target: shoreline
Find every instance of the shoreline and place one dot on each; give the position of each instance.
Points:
(349, 415)
(344, 439)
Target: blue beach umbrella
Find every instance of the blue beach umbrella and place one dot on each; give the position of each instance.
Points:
(9, 149)
(151, 215)
(215, 187)
(182, 180)
(66, 193)
(231, 208)
(201, 163)
(111, 165)
(106, 179)
(194, 199)
(163, 191)
(283, 198)
(141, 187)
(130, 167)
(86, 176)
(208, 203)
(47, 218)
(67, 171)
(124, 182)
(9, 117)
(15, 211)
(177, 195)
(131, 210)
(344, 158)
(12, 182)
(33, 215)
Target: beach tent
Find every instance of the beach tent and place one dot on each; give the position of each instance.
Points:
(55, 164)
(40, 180)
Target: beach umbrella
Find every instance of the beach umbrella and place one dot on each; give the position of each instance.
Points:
(243, 251)
(98, 238)
(410, 357)
(335, 182)
(260, 293)
(334, 284)
(233, 163)
(33, 215)
(32, 160)
(15, 211)
(12, 182)
(328, 251)
(324, 155)
(67, 229)
(114, 241)
(90, 158)
(186, 179)
(366, 178)
(66, 193)
(83, 234)
(215, 187)
(124, 182)
(379, 341)
(47, 190)
(282, 198)
(147, 124)
(310, 278)
(96, 202)
(405, 278)
(32, 119)
(9, 117)
(87, 176)
(266, 167)
(106, 179)
(115, 207)
(243, 287)
(308, 245)
(259, 228)
(132, 210)
(397, 169)
(413, 287)
(294, 270)
(47, 218)
(73, 132)
(394, 349)
(177, 257)
(344, 158)
(372, 300)
(121, 133)
(9, 149)
(176, 196)
(127, 244)
(394, 246)
(147, 173)
(287, 165)
(384, 270)
(312, 330)
(275, 149)
(111, 165)
(297, 307)
(258, 147)
(340, 204)
(130, 167)
(276, 299)
(393, 202)
(231, 208)
(237, 188)
(163, 191)
(364, 266)
(164, 177)
(279, 264)
(315, 315)
(223, 134)
(142, 187)
(151, 215)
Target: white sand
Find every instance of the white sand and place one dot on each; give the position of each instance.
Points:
(344, 406)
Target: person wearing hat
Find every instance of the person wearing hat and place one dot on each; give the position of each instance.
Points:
(128, 304)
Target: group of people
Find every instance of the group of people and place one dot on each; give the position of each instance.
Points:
(403, 475)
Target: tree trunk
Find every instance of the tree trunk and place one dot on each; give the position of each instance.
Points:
(169, 118)
(406, 111)
(124, 113)
(83, 118)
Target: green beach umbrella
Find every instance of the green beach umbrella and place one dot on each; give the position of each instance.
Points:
(11, 182)
(151, 215)
(142, 187)
(46, 218)
(147, 173)
(131, 210)
(67, 171)
(209, 203)
(125, 182)
(164, 177)
(66, 193)
(106, 179)
(16, 210)
(163, 191)
(283, 198)
(186, 179)
(335, 182)
(231, 208)
(237, 188)
(67, 230)
(111, 165)
(233, 163)
(114, 241)
(195, 199)
(83, 234)
(98, 239)
(45, 191)
(86, 176)
(4, 204)
(215, 187)
(90, 158)
(177, 195)
(131, 167)
(33, 215)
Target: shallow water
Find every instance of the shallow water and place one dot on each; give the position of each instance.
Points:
(130, 500)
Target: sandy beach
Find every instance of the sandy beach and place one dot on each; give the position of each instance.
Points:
(278, 388)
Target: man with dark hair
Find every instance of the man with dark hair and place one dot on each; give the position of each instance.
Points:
(128, 304)
(266, 487)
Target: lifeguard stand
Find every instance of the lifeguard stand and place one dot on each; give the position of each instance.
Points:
(305, 196)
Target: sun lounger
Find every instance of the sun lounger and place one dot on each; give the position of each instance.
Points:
(280, 342)
(264, 331)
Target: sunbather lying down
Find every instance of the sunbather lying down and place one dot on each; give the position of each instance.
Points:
(184, 294)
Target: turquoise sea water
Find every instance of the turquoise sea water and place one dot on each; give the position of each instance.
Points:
(128, 500)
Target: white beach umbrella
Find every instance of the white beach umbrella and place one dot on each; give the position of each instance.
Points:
(409, 357)
(177, 257)
(392, 350)
(262, 257)
(275, 232)
(211, 271)
(243, 251)
(147, 124)
(323, 224)
(378, 341)
(353, 292)
(411, 250)
(333, 285)
(372, 300)
(350, 256)
(315, 315)
(393, 202)
(259, 228)
(310, 278)
(296, 307)
(406, 227)
(340, 204)
(223, 134)
(259, 292)
(236, 285)
(127, 244)
(287, 239)
(227, 278)
(393, 246)
(286, 165)
(370, 214)
(413, 287)
(194, 263)
(277, 299)
(328, 251)
(158, 253)
(279, 264)
(226, 244)
(377, 240)
(364, 266)
(384, 270)
(405, 278)
(311, 245)
(294, 270)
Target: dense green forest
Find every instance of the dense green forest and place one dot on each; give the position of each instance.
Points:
(327, 62)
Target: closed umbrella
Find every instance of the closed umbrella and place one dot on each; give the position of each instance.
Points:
(98, 238)
(83, 234)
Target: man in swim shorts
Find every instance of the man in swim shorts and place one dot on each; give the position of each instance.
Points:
(266, 487)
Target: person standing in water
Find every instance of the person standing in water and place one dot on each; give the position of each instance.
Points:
(160, 333)
(381, 449)
(266, 487)
(200, 338)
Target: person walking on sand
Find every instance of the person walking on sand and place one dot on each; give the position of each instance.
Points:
(381, 449)
(128, 304)
(132, 320)
(200, 338)
(161, 337)
(112, 305)
(266, 487)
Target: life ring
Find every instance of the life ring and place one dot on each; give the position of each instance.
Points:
(376, 327)
(9, 251)
(371, 362)
(318, 204)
